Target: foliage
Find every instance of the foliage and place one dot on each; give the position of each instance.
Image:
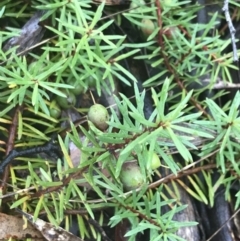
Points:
(80, 46)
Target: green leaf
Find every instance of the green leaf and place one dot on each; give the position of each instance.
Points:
(19, 202)
(97, 15)
(180, 147)
(2, 11)
(133, 143)
(38, 208)
(65, 152)
(178, 110)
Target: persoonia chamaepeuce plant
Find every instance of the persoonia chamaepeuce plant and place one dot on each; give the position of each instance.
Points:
(176, 134)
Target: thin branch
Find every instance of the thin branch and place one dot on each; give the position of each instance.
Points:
(214, 234)
(231, 29)
(221, 84)
(10, 146)
(50, 146)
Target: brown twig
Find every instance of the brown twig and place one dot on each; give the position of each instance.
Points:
(65, 181)
(169, 67)
(10, 145)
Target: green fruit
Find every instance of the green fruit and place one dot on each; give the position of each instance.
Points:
(98, 115)
(78, 88)
(66, 102)
(54, 110)
(147, 27)
(90, 81)
(155, 162)
(131, 176)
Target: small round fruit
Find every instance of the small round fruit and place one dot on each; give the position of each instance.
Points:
(90, 81)
(131, 176)
(147, 27)
(54, 110)
(98, 115)
(66, 102)
(78, 88)
(155, 162)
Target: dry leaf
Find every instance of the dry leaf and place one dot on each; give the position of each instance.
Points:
(49, 231)
(12, 227)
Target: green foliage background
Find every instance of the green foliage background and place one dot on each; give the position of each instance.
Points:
(79, 48)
